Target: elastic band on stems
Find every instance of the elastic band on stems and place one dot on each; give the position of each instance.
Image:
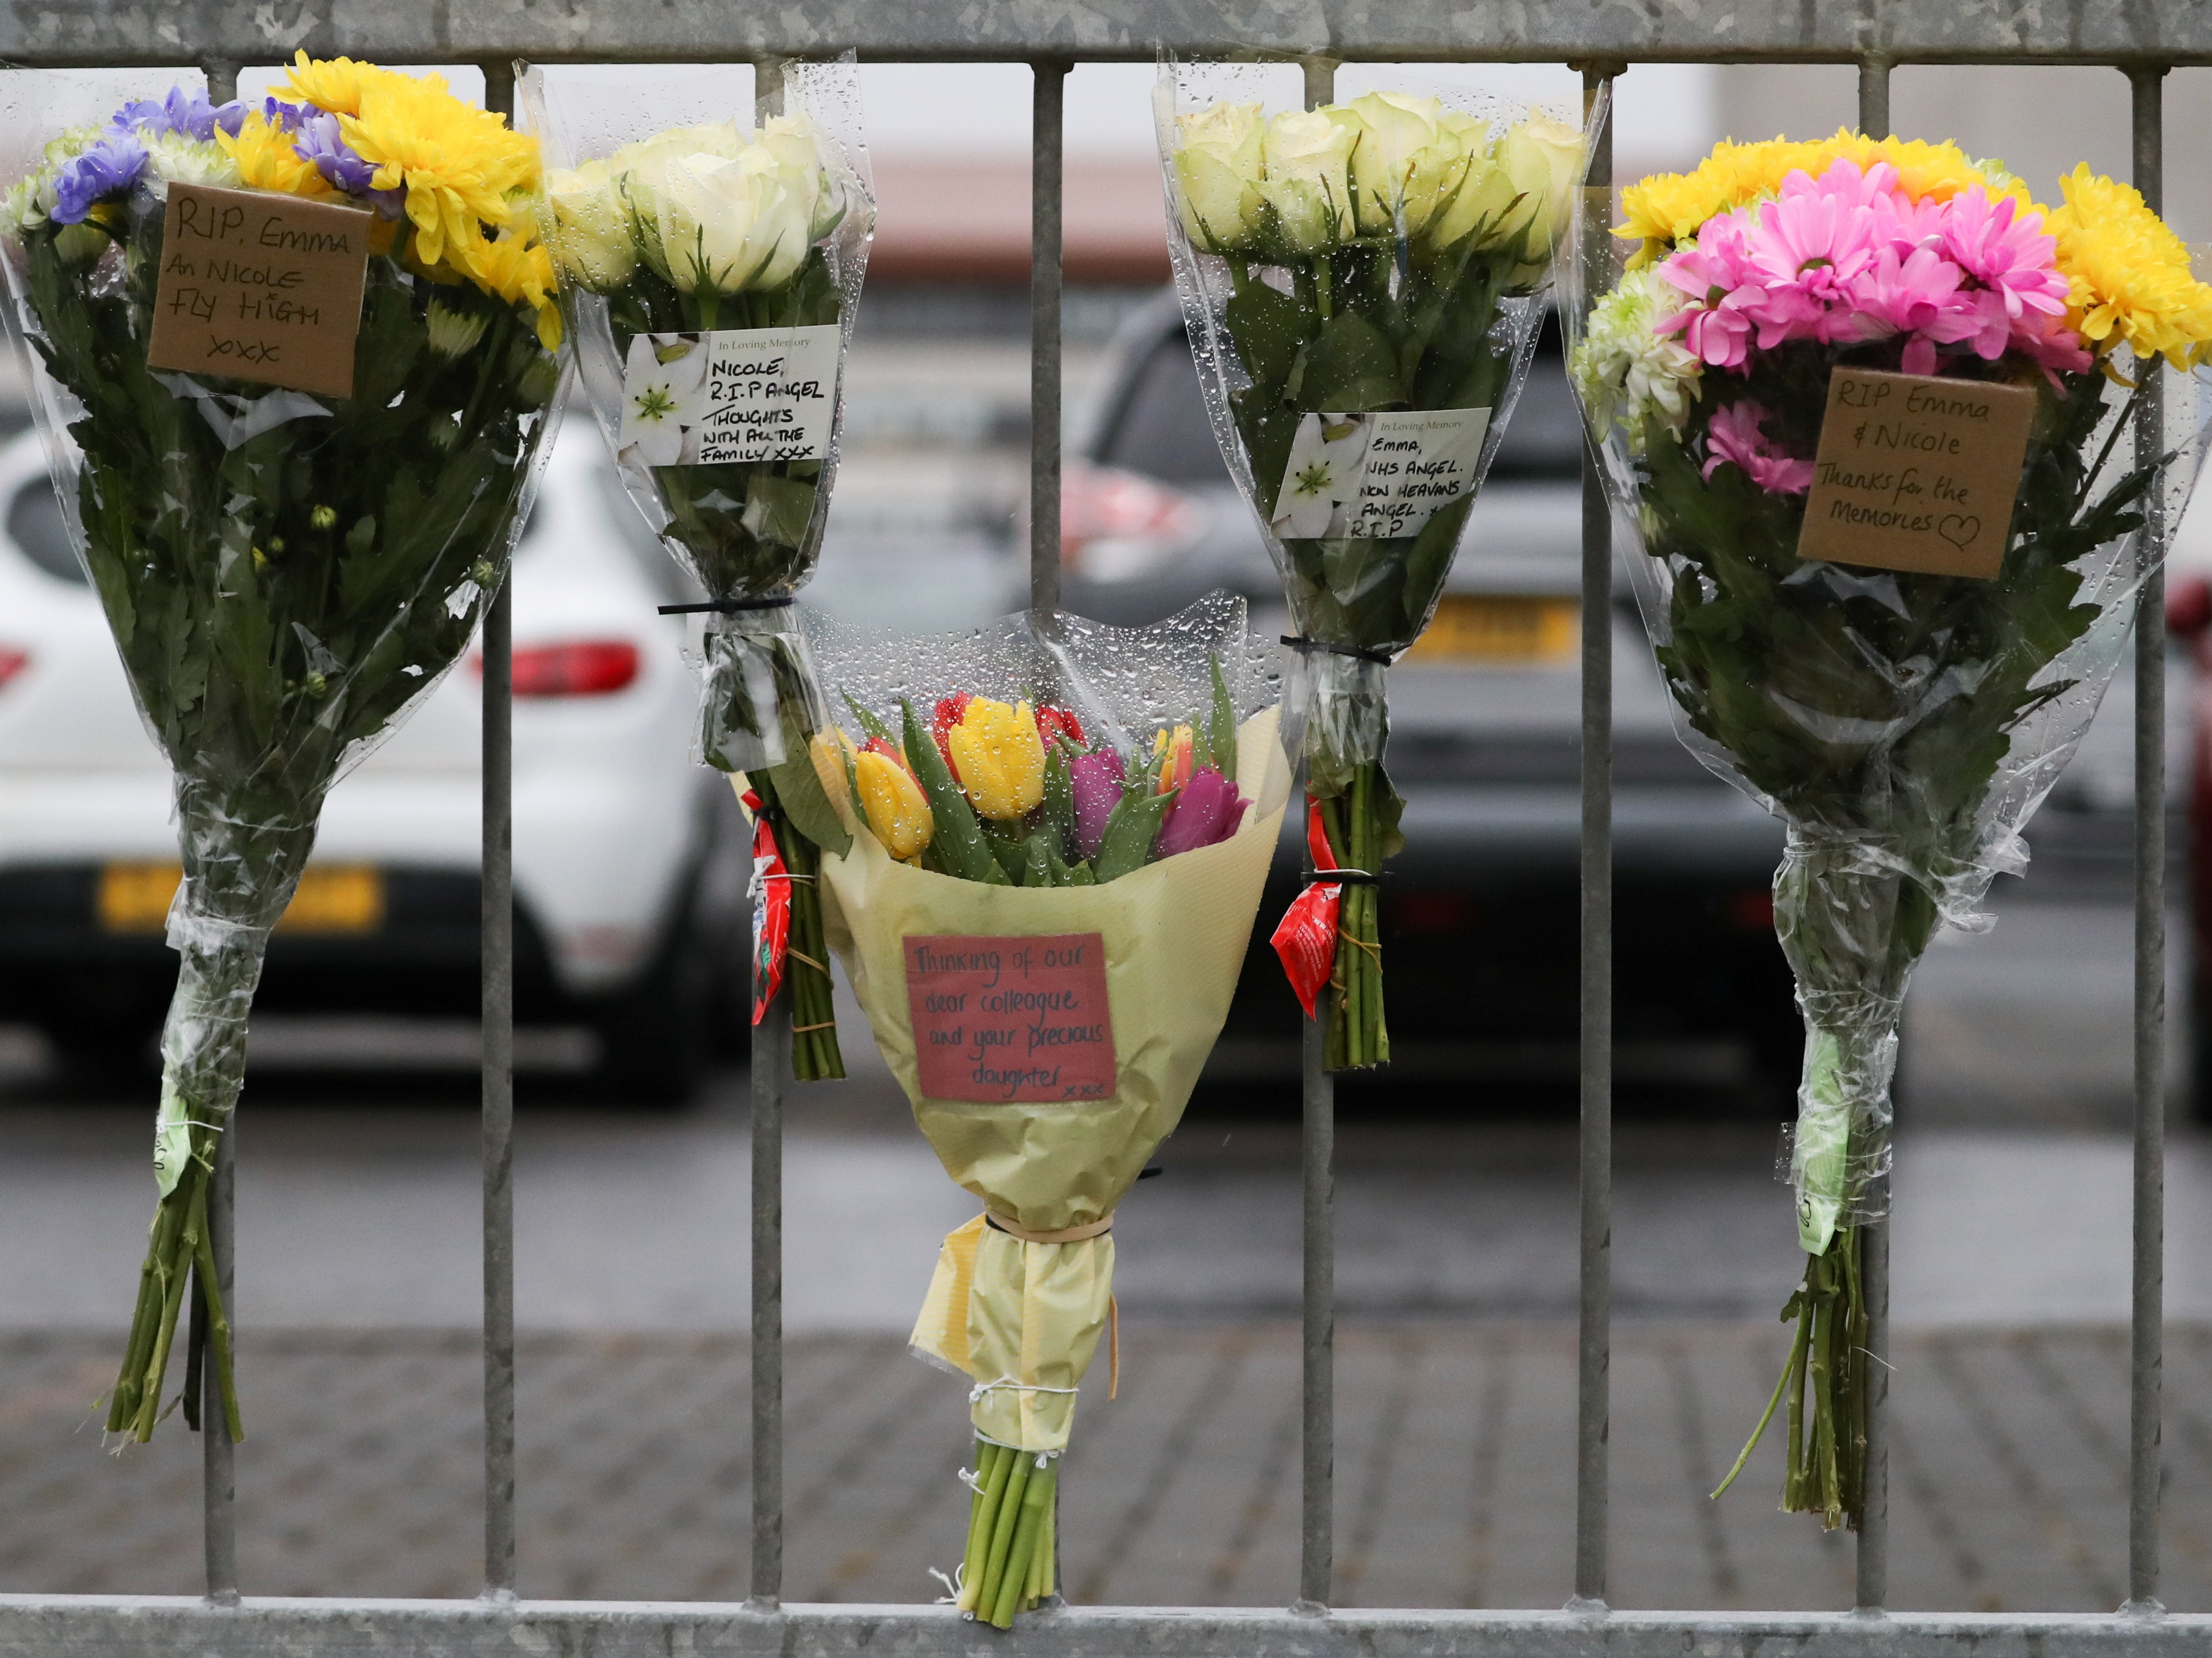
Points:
(725, 606)
(1298, 642)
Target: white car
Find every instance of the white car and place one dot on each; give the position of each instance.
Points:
(629, 857)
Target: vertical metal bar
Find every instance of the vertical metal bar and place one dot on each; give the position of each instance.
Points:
(1317, 1518)
(1594, 1354)
(770, 1065)
(1048, 90)
(1874, 96)
(1317, 1539)
(2147, 1314)
(498, 1084)
(218, 1456)
(1872, 1587)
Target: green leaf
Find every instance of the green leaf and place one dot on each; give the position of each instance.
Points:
(1131, 828)
(1269, 328)
(1222, 737)
(958, 847)
(798, 787)
(1350, 367)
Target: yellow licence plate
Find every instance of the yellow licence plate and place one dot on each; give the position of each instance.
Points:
(1500, 629)
(331, 898)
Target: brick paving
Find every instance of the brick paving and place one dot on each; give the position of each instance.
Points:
(1453, 1470)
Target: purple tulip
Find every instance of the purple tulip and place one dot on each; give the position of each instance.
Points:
(105, 168)
(1097, 780)
(1208, 809)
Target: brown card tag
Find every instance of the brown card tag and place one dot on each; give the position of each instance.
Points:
(257, 287)
(1917, 473)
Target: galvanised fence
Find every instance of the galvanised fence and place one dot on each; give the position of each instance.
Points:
(2142, 39)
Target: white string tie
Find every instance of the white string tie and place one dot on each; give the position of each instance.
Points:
(975, 1394)
(951, 1595)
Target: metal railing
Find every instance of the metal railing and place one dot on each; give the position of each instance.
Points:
(2143, 40)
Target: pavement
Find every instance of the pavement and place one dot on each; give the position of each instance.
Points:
(358, 1281)
(1455, 1470)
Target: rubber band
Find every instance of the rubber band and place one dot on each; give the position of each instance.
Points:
(725, 606)
(1350, 878)
(801, 1030)
(1298, 643)
(801, 955)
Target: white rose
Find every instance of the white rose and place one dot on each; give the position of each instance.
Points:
(1217, 170)
(1308, 154)
(728, 225)
(1488, 205)
(797, 150)
(1545, 158)
(1406, 164)
(591, 238)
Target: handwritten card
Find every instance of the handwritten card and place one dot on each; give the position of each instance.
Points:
(1417, 461)
(1376, 477)
(1011, 1019)
(261, 288)
(742, 395)
(1917, 473)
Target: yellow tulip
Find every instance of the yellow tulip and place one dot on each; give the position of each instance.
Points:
(893, 801)
(999, 758)
(1173, 750)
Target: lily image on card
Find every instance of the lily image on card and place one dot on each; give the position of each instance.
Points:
(741, 396)
(1377, 477)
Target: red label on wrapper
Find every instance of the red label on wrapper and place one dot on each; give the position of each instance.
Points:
(1306, 939)
(771, 891)
(1011, 1019)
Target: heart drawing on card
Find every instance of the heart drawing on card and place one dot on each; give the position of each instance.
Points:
(1960, 529)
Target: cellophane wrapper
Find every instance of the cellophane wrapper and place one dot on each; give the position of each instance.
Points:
(1386, 323)
(286, 576)
(748, 531)
(1903, 726)
(1022, 1318)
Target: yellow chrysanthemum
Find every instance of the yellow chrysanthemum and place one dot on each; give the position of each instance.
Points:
(2130, 273)
(1669, 206)
(519, 270)
(338, 84)
(267, 159)
(457, 165)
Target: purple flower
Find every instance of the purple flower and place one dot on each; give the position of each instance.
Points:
(320, 141)
(1096, 781)
(183, 112)
(111, 166)
(1208, 809)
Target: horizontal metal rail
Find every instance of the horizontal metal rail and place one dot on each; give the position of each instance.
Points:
(186, 31)
(102, 1626)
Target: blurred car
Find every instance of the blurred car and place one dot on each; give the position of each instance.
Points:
(629, 858)
(1478, 914)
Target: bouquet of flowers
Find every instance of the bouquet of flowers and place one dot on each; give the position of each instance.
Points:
(1878, 421)
(1058, 835)
(710, 274)
(294, 360)
(1363, 284)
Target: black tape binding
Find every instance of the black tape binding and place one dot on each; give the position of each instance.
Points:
(1297, 643)
(725, 606)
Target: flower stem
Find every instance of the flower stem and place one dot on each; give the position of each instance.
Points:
(1003, 1525)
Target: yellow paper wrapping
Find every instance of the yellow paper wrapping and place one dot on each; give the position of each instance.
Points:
(1024, 1318)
